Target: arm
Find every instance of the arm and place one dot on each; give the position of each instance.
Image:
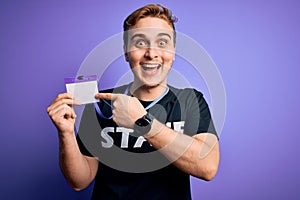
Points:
(78, 169)
(198, 155)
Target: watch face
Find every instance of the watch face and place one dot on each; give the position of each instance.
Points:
(143, 125)
(142, 122)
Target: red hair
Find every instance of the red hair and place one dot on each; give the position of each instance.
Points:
(151, 10)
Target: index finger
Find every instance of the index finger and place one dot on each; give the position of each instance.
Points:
(106, 96)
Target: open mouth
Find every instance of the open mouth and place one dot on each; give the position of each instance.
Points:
(151, 66)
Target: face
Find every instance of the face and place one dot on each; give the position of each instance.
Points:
(150, 51)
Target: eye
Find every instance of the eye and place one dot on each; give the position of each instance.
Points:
(140, 43)
(162, 43)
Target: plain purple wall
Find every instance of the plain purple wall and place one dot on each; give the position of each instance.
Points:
(254, 43)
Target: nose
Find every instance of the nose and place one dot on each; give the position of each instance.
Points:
(151, 53)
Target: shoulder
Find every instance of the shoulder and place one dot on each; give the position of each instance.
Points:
(187, 93)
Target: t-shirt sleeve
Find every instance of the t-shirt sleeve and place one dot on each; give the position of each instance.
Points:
(198, 116)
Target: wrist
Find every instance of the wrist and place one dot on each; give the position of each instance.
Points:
(65, 135)
(156, 128)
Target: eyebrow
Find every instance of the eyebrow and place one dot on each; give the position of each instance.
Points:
(144, 36)
(138, 35)
(165, 34)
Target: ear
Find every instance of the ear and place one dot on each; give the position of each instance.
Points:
(125, 53)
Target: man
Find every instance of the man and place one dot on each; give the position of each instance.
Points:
(144, 118)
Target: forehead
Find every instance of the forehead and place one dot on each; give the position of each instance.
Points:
(151, 27)
(152, 22)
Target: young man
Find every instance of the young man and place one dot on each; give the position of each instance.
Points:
(142, 140)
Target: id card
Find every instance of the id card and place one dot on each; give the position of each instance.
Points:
(84, 88)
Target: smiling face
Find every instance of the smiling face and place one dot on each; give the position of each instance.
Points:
(150, 51)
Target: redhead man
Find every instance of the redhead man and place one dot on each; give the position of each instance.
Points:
(142, 140)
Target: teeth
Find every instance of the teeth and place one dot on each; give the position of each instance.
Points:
(151, 65)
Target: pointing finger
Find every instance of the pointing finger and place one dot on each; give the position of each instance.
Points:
(106, 96)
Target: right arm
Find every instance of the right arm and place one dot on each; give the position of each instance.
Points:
(78, 169)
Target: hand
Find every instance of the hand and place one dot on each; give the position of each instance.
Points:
(126, 109)
(62, 113)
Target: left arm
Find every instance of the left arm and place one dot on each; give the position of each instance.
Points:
(198, 155)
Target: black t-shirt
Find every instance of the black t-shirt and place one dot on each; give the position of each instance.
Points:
(129, 167)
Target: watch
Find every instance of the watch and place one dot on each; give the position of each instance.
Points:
(143, 125)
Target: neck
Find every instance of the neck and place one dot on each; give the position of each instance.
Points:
(147, 93)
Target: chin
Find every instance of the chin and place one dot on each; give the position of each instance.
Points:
(147, 84)
(153, 84)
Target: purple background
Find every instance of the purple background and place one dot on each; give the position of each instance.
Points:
(254, 43)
